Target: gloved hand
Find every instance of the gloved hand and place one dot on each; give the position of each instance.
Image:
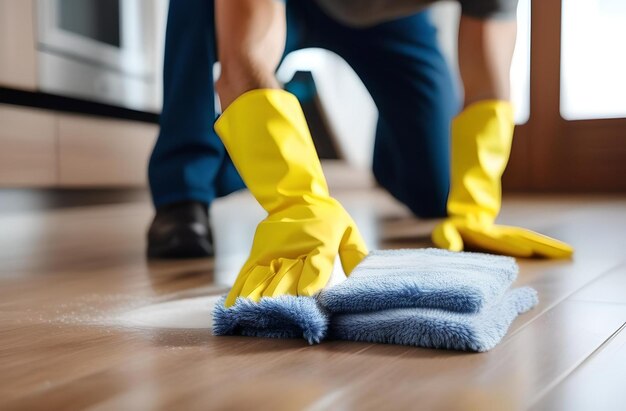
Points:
(294, 248)
(481, 143)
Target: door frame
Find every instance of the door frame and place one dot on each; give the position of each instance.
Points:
(549, 152)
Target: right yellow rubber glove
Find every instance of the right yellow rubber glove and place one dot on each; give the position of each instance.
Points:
(481, 143)
(294, 248)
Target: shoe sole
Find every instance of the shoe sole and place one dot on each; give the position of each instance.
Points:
(180, 247)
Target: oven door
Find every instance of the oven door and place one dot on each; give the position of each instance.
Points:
(109, 51)
(117, 34)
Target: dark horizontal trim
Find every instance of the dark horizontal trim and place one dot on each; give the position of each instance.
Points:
(19, 200)
(72, 105)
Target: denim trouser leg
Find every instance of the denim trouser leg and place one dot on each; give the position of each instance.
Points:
(399, 62)
(402, 67)
(189, 161)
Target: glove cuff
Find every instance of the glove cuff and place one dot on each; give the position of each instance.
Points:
(267, 137)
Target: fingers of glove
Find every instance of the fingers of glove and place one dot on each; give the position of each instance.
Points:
(285, 280)
(352, 249)
(446, 236)
(250, 284)
(492, 240)
(235, 291)
(541, 245)
(318, 267)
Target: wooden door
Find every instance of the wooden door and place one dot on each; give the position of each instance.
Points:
(551, 153)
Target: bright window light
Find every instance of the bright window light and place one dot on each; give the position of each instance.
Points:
(593, 59)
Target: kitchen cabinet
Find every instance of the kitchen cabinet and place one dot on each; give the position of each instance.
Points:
(28, 147)
(103, 152)
(44, 148)
(17, 45)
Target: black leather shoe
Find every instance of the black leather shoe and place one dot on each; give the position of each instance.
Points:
(180, 230)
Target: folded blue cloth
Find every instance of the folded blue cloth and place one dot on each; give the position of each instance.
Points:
(425, 278)
(434, 328)
(279, 317)
(426, 298)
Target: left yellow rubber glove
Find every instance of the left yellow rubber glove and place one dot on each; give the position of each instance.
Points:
(481, 143)
(294, 248)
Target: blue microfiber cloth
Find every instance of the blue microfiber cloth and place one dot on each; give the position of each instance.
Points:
(279, 317)
(427, 298)
(425, 278)
(434, 328)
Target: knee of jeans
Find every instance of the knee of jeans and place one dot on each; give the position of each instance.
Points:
(424, 201)
(428, 206)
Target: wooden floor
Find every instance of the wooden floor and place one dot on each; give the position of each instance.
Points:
(80, 324)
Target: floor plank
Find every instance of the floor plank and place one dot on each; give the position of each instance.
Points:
(597, 385)
(68, 275)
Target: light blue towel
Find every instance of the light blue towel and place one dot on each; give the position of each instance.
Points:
(280, 317)
(426, 298)
(434, 328)
(426, 278)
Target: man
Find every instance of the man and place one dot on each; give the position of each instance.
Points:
(392, 46)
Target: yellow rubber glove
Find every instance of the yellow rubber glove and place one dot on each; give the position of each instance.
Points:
(295, 247)
(481, 143)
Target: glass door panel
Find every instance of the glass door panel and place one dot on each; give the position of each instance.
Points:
(593, 59)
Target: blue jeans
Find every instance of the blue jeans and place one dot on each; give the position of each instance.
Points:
(399, 62)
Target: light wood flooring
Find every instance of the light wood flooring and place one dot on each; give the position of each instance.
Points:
(77, 330)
